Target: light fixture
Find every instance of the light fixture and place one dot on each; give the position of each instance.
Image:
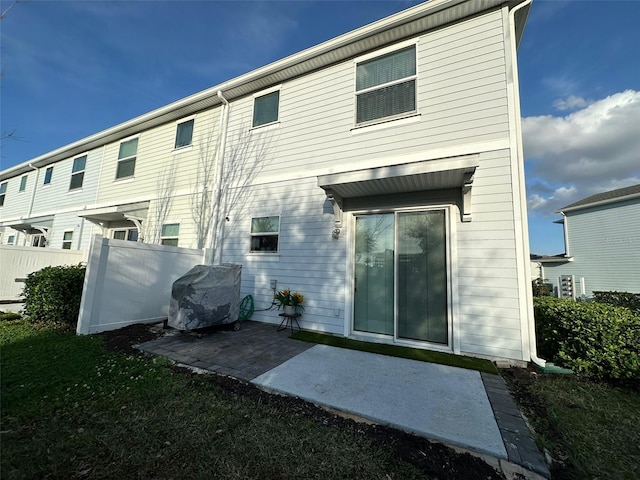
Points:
(335, 234)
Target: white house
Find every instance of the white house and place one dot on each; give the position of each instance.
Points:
(602, 246)
(379, 173)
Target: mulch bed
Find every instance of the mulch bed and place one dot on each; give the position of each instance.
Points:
(434, 459)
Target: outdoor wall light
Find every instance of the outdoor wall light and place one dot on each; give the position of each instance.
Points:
(335, 234)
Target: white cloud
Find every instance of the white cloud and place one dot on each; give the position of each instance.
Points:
(571, 103)
(591, 150)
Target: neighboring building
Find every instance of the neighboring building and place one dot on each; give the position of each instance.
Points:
(379, 173)
(602, 246)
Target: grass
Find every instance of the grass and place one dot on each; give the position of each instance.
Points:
(71, 409)
(402, 352)
(591, 427)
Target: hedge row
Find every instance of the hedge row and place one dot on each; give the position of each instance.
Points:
(53, 294)
(619, 299)
(593, 339)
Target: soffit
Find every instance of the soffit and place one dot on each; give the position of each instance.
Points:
(115, 213)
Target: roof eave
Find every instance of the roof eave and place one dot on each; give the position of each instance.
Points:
(404, 24)
(599, 203)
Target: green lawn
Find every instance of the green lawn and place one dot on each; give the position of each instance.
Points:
(591, 428)
(71, 409)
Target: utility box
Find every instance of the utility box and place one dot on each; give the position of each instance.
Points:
(205, 296)
(567, 287)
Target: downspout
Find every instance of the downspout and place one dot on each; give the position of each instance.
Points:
(565, 230)
(520, 155)
(215, 207)
(32, 201)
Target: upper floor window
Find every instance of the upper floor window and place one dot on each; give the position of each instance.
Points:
(169, 234)
(184, 134)
(77, 172)
(3, 192)
(265, 108)
(127, 158)
(11, 239)
(47, 176)
(264, 234)
(23, 183)
(386, 85)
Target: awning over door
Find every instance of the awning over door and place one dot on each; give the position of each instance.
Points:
(115, 213)
(444, 173)
(32, 226)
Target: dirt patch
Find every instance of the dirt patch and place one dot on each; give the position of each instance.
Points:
(434, 459)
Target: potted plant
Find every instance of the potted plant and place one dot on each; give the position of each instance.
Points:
(291, 302)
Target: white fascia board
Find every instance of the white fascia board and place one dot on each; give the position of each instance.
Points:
(597, 204)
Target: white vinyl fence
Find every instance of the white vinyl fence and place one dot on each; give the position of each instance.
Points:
(18, 262)
(129, 282)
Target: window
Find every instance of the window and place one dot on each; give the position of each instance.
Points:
(77, 172)
(184, 134)
(130, 234)
(23, 183)
(66, 240)
(47, 176)
(127, 158)
(386, 85)
(264, 234)
(38, 240)
(265, 108)
(169, 235)
(11, 239)
(3, 192)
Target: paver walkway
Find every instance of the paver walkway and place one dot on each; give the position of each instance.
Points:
(259, 350)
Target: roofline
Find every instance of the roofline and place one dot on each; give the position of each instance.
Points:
(598, 203)
(386, 30)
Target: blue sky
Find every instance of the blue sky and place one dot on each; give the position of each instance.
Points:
(73, 68)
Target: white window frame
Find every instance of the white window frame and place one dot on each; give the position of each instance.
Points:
(3, 192)
(127, 233)
(372, 56)
(261, 94)
(48, 171)
(23, 183)
(182, 121)
(77, 173)
(38, 240)
(66, 241)
(253, 235)
(133, 158)
(170, 238)
(11, 239)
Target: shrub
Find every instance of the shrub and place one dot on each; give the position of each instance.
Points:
(595, 340)
(8, 316)
(53, 294)
(619, 299)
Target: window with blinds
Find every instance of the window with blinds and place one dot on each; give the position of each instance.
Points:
(386, 85)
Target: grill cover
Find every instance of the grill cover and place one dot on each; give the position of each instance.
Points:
(206, 295)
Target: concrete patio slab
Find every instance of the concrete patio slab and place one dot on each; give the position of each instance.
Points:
(440, 402)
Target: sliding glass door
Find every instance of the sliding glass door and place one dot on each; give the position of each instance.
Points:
(401, 275)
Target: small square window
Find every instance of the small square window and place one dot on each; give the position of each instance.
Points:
(23, 184)
(127, 158)
(264, 234)
(265, 108)
(169, 235)
(11, 239)
(184, 134)
(77, 172)
(47, 176)
(3, 192)
(66, 240)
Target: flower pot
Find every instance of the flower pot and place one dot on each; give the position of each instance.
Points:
(289, 310)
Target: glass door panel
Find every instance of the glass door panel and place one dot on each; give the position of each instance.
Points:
(422, 276)
(374, 274)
